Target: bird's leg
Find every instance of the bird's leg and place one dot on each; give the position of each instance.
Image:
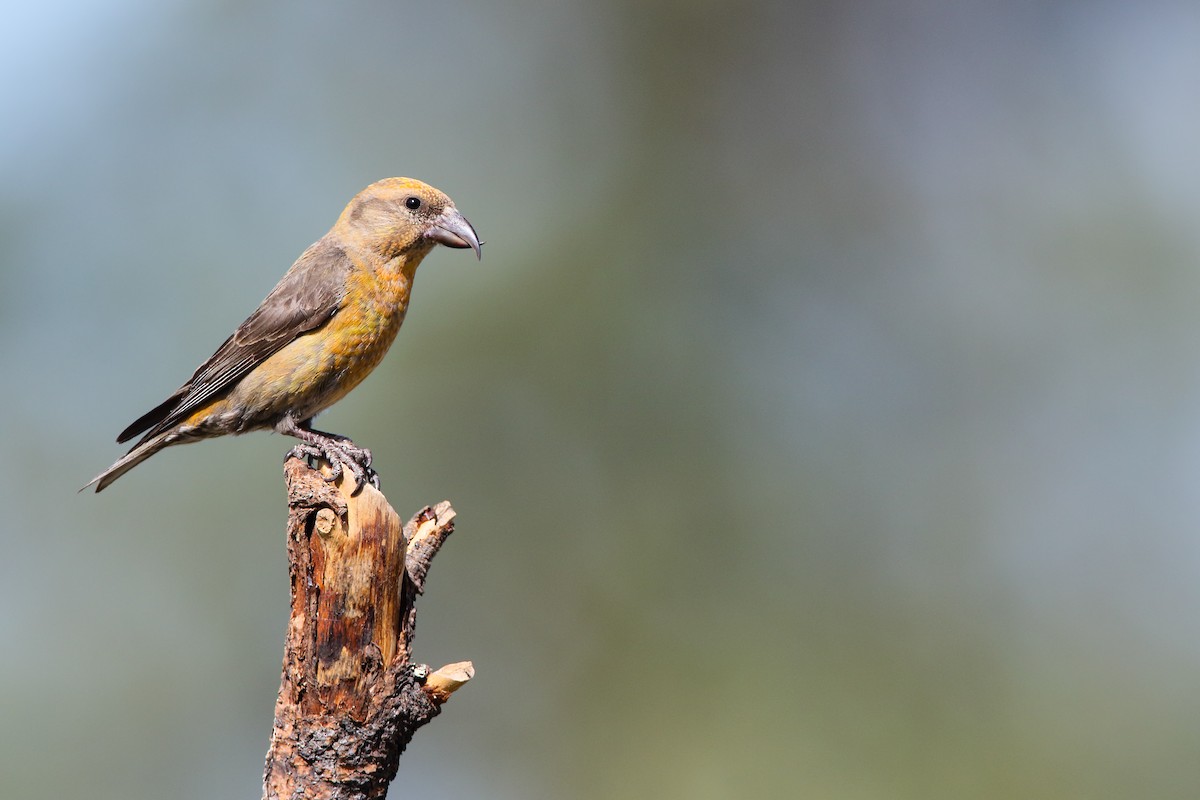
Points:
(337, 450)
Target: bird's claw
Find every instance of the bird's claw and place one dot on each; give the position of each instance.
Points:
(339, 453)
(360, 454)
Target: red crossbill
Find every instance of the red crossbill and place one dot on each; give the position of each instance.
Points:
(319, 332)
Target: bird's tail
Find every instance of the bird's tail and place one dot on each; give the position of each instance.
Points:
(140, 452)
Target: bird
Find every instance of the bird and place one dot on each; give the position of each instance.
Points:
(320, 331)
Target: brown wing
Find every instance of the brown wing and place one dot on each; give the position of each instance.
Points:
(307, 296)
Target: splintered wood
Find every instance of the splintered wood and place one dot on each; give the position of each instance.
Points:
(349, 697)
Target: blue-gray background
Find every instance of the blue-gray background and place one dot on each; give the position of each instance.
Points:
(824, 418)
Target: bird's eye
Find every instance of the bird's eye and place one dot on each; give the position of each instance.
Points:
(413, 203)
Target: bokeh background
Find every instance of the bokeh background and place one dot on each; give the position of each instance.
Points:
(823, 419)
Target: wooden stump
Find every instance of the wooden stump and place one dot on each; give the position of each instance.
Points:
(349, 698)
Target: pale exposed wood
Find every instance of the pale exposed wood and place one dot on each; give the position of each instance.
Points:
(443, 682)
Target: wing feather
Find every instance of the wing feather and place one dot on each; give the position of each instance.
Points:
(303, 300)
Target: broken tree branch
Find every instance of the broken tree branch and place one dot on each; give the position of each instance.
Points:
(350, 699)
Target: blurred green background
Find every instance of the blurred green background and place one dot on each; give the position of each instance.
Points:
(823, 420)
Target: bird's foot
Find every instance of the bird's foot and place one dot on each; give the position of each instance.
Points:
(360, 454)
(339, 451)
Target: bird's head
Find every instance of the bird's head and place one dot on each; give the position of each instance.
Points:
(399, 216)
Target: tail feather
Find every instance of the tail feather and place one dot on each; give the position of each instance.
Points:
(151, 418)
(140, 452)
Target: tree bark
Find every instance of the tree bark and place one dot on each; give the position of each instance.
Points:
(349, 698)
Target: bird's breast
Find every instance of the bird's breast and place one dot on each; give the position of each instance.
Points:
(365, 325)
(317, 369)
